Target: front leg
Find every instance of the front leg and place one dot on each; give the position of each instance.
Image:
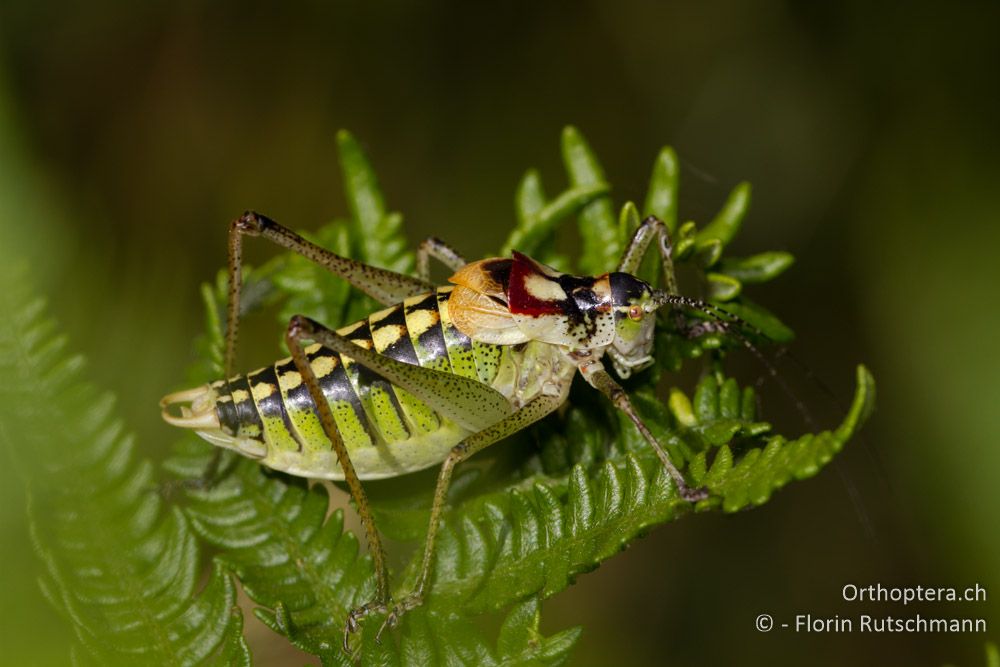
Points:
(594, 373)
(651, 228)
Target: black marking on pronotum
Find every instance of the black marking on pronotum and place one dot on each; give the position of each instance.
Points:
(581, 297)
(585, 311)
(499, 271)
(582, 307)
(273, 404)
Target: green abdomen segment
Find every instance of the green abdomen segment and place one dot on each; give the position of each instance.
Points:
(386, 429)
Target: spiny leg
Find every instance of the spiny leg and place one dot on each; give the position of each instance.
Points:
(652, 227)
(472, 404)
(533, 411)
(299, 329)
(722, 321)
(386, 287)
(596, 375)
(439, 250)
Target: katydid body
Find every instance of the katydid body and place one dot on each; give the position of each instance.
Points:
(438, 375)
(270, 416)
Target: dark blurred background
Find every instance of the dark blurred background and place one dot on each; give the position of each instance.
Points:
(131, 133)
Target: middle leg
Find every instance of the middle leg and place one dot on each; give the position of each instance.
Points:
(439, 250)
(533, 411)
(598, 378)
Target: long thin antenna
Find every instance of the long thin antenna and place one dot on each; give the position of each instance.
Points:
(724, 322)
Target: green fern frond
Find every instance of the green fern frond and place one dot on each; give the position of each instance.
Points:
(273, 532)
(378, 232)
(603, 242)
(538, 535)
(761, 470)
(120, 566)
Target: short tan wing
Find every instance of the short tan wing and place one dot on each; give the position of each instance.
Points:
(483, 317)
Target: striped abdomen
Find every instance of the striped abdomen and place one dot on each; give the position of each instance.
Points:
(386, 429)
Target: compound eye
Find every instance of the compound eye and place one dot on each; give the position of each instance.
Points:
(635, 313)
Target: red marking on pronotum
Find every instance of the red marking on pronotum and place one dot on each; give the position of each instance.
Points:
(522, 302)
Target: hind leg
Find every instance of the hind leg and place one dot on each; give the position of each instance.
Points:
(386, 287)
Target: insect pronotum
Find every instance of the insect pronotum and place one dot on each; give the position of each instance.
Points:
(438, 375)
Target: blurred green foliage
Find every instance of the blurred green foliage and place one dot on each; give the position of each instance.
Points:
(121, 566)
(129, 135)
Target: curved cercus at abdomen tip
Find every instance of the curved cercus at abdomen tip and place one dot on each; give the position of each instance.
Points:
(197, 408)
